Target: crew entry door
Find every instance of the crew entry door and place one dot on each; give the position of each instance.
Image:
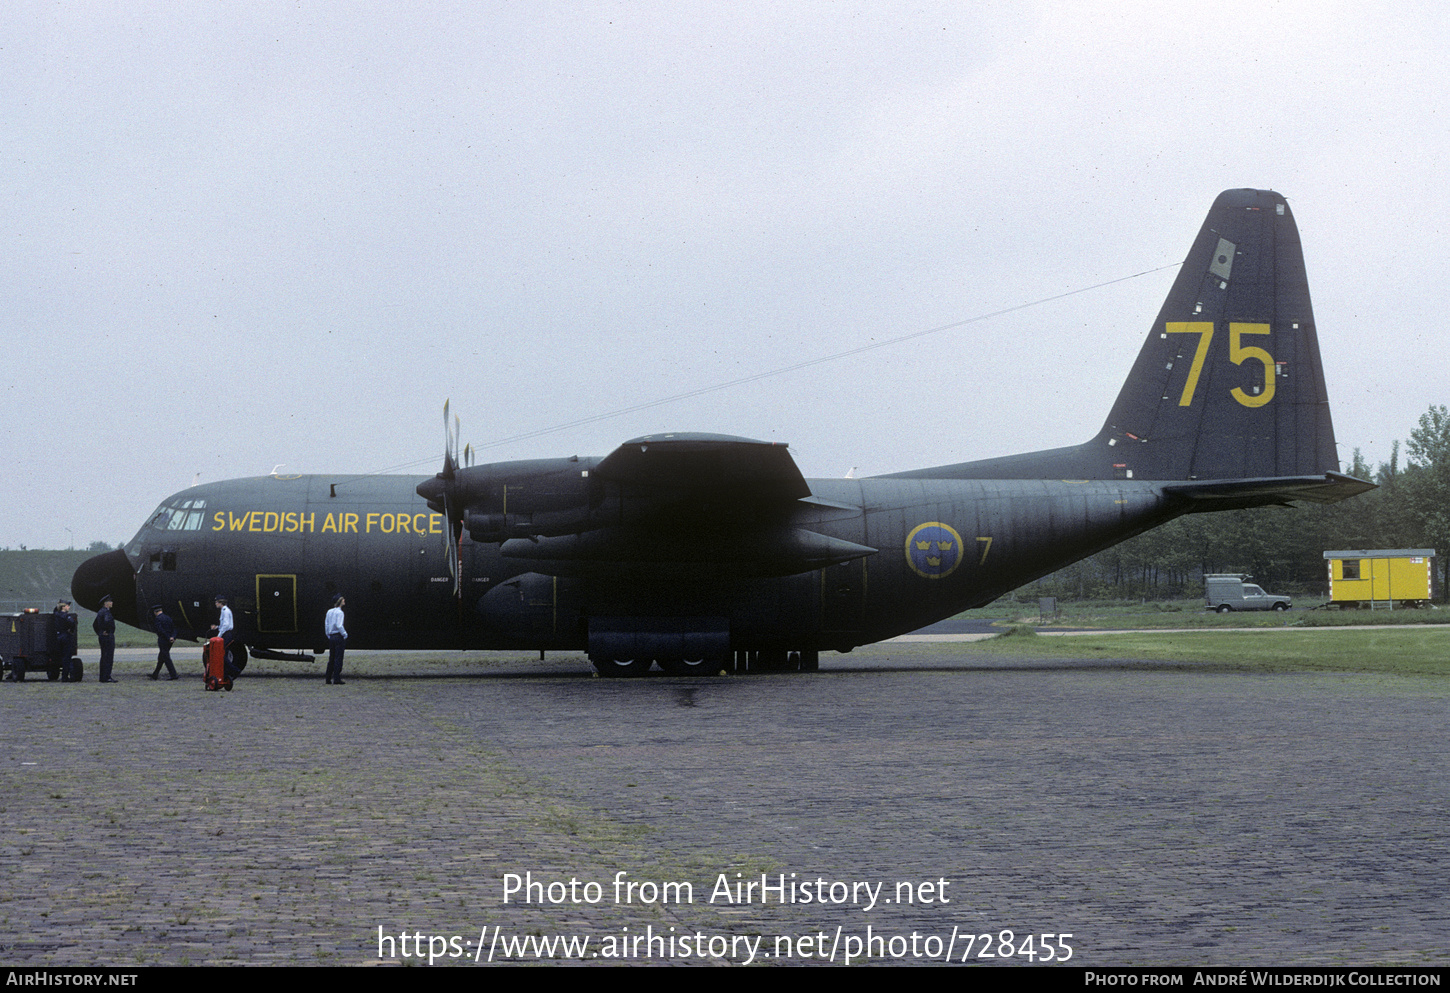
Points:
(276, 604)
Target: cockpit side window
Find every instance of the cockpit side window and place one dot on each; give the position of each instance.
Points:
(162, 561)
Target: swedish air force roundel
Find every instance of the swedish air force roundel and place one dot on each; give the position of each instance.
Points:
(933, 550)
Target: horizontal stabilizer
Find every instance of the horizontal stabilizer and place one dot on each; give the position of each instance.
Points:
(1226, 494)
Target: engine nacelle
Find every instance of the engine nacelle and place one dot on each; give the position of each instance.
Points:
(543, 524)
(523, 499)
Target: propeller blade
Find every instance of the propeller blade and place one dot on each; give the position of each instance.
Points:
(448, 461)
(452, 511)
(458, 565)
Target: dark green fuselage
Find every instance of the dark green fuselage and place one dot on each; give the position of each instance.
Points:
(281, 548)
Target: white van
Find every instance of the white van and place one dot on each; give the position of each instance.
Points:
(1226, 592)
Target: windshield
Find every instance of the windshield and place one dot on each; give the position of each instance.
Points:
(178, 515)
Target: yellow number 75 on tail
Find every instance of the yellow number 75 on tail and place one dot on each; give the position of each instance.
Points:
(1237, 354)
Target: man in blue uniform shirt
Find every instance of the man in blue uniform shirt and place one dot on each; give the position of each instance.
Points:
(224, 629)
(336, 640)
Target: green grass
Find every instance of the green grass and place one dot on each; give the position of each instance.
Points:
(1340, 618)
(1403, 651)
(1191, 614)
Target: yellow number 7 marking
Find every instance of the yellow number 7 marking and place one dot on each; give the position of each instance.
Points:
(1238, 353)
(1204, 329)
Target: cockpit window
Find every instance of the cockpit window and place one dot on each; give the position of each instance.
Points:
(179, 515)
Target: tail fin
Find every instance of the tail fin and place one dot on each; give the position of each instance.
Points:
(1229, 383)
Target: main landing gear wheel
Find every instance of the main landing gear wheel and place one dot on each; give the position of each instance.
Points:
(691, 667)
(621, 667)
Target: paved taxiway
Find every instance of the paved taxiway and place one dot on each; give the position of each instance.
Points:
(1160, 814)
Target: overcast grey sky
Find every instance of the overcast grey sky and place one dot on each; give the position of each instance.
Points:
(237, 235)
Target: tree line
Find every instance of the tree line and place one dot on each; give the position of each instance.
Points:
(1283, 548)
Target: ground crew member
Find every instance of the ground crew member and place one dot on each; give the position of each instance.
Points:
(336, 640)
(165, 637)
(223, 629)
(65, 636)
(105, 627)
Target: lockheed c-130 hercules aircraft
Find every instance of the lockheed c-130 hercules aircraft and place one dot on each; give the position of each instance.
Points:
(698, 551)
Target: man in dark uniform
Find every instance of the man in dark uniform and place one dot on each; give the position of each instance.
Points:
(105, 627)
(64, 623)
(165, 629)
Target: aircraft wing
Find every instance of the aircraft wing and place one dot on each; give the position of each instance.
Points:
(1227, 494)
(706, 465)
(698, 501)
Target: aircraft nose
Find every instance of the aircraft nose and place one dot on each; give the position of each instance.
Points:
(109, 573)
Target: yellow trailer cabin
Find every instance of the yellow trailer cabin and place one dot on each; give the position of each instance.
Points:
(1381, 577)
